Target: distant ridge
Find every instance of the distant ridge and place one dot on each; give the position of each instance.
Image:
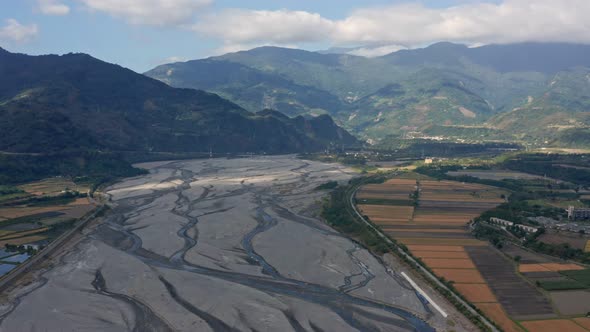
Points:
(76, 102)
(438, 88)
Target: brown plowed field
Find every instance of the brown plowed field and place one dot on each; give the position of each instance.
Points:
(523, 268)
(553, 325)
(498, 315)
(437, 248)
(440, 254)
(584, 322)
(476, 293)
(461, 276)
(427, 230)
(395, 189)
(385, 213)
(442, 242)
(449, 263)
(434, 235)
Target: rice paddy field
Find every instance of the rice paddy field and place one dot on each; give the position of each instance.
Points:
(435, 229)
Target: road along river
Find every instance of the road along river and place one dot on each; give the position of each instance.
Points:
(219, 245)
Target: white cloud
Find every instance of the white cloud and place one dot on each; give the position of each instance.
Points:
(175, 59)
(263, 26)
(149, 12)
(16, 32)
(53, 7)
(371, 52)
(408, 24)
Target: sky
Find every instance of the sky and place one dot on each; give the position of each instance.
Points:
(141, 34)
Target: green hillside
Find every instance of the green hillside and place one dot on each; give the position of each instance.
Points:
(75, 102)
(445, 89)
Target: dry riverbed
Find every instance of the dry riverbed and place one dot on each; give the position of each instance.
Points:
(219, 245)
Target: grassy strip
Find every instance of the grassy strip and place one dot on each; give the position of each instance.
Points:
(581, 276)
(561, 285)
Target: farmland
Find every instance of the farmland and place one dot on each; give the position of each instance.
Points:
(509, 283)
(431, 218)
(496, 174)
(37, 214)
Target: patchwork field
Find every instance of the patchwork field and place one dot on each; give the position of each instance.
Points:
(435, 230)
(546, 267)
(386, 215)
(495, 174)
(32, 219)
(395, 189)
(518, 298)
(553, 325)
(53, 186)
(434, 227)
(497, 313)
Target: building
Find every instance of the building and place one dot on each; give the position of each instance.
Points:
(574, 213)
(506, 223)
(502, 222)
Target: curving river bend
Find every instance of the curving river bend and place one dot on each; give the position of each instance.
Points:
(219, 245)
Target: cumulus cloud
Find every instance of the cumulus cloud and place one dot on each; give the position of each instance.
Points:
(53, 7)
(408, 24)
(17, 32)
(237, 26)
(149, 12)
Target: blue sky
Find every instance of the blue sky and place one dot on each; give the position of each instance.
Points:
(140, 34)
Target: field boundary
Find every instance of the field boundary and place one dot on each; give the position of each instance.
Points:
(17, 272)
(351, 193)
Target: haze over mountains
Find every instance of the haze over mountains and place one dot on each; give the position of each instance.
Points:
(76, 102)
(530, 92)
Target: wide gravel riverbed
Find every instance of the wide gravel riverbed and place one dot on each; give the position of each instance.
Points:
(219, 245)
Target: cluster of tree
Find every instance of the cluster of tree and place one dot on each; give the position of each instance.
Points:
(492, 234)
(551, 165)
(63, 198)
(417, 148)
(94, 165)
(8, 190)
(337, 213)
(327, 186)
(563, 250)
(22, 249)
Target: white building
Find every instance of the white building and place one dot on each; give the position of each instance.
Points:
(506, 223)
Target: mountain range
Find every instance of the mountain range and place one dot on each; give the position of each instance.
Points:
(534, 93)
(75, 102)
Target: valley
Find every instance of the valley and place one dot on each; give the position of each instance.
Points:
(222, 244)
